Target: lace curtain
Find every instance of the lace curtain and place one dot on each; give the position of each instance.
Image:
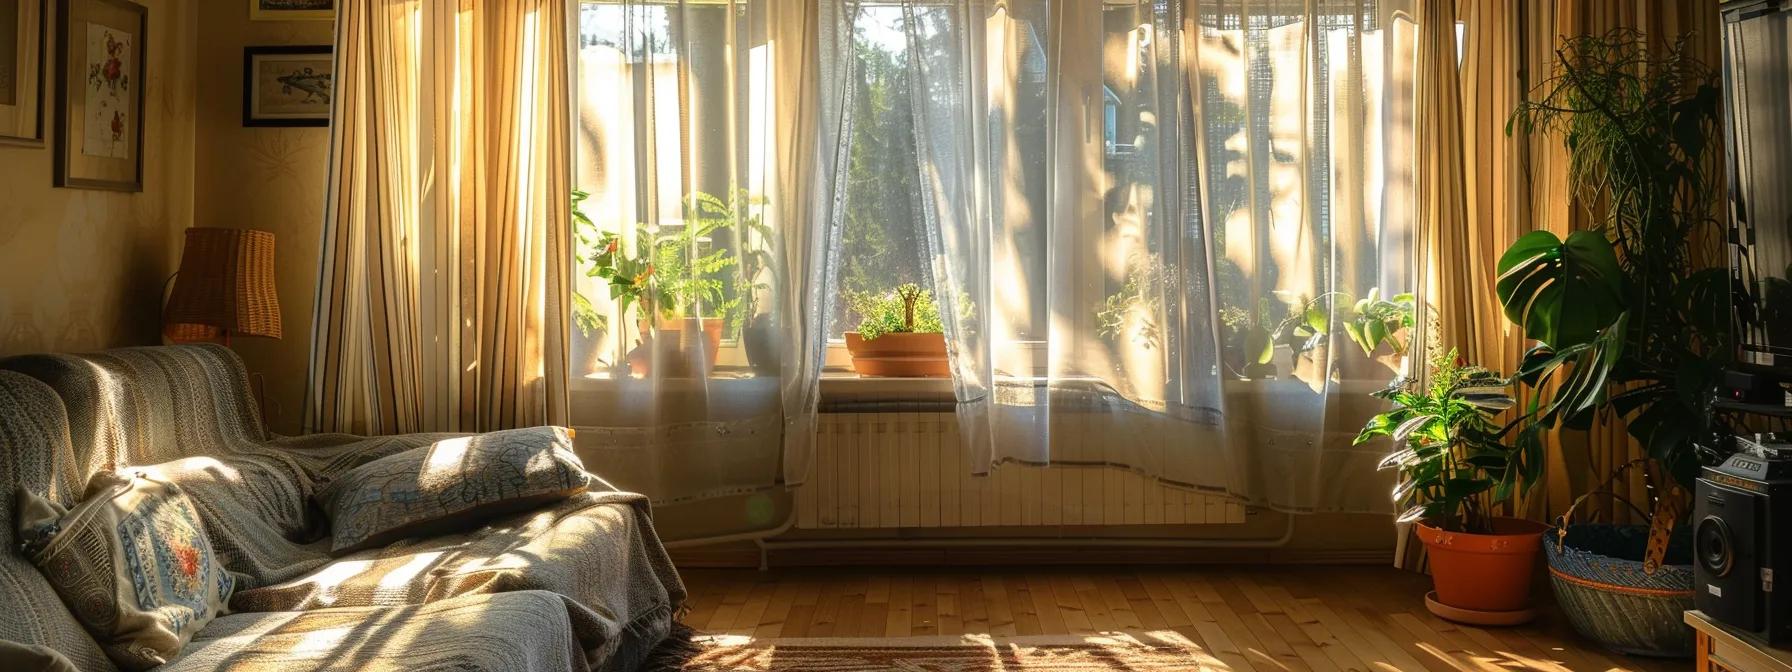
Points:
(703, 144)
(1151, 224)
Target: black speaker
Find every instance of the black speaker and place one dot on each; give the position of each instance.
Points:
(1736, 550)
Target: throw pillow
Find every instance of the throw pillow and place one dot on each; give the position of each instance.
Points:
(131, 561)
(450, 484)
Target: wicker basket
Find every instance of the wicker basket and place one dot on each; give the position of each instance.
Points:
(1610, 600)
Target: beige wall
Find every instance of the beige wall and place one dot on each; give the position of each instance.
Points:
(263, 178)
(83, 269)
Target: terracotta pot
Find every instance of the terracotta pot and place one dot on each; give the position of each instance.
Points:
(1484, 572)
(677, 344)
(899, 355)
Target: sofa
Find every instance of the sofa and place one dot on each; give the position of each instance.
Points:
(580, 584)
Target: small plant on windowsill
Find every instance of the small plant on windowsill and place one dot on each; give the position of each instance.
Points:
(1370, 322)
(676, 289)
(900, 334)
(1449, 449)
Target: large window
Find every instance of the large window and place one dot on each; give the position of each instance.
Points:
(670, 149)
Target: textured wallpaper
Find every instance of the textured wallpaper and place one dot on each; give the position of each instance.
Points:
(82, 269)
(263, 178)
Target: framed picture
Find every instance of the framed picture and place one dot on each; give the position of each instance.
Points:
(22, 72)
(99, 106)
(291, 10)
(288, 86)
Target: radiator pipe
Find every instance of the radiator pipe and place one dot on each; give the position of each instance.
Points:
(767, 545)
(764, 540)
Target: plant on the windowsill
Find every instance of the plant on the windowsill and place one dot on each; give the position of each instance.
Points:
(675, 287)
(899, 335)
(1249, 342)
(1369, 322)
(1448, 447)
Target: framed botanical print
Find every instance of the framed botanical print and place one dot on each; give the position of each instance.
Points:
(288, 10)
(99, 103)
(22, 71)
(288, 86)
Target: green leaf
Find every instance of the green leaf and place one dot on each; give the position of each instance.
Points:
(1561, 292)
(1259, 344)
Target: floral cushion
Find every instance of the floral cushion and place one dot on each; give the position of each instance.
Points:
(131, 561)
(451, 484)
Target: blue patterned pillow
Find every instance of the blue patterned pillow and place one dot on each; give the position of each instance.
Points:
(131, 561)
(451, 484)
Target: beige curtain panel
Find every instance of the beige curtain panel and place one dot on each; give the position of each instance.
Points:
(444, 290)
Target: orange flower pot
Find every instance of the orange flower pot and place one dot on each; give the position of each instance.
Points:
(899, 355)
(1487, 573)
(678, 343)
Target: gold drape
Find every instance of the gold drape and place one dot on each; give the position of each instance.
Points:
(444, 288)
(1513, 185)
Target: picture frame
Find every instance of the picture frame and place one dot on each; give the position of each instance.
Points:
(288, 85)
(292, 10)
(100, 101)
(22, 38)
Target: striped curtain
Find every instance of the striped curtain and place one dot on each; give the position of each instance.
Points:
(444, 289)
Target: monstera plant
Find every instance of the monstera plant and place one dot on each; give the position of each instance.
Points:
(1628, 321)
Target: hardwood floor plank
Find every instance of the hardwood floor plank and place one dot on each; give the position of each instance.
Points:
(1069, 607)
(771, 623)
(1001, 603)
(896, 622)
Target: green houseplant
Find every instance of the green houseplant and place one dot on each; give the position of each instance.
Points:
(674, 283)
(1448, 447)
(900, 334)
(1629, 324)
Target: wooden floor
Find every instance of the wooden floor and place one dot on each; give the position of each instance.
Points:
(1256, 618)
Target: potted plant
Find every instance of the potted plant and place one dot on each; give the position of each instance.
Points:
(900, 334)
(1447, 446)
(1370, 323)
(1628, 324)
(676, 287)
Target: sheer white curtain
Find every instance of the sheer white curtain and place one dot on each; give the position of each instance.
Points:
(1133, 207)
(709, 387)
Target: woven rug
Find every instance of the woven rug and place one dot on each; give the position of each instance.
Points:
(1141, 653)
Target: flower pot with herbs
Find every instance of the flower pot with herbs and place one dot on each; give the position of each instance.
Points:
(675, 281)
(900, 334)
(1447, 447)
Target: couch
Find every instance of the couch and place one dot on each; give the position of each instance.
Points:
(582, 584)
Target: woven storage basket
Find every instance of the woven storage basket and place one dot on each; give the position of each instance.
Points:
(1611, 600)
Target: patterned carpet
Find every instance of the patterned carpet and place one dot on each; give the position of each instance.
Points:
(1138, 653)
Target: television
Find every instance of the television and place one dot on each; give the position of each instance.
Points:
(1757, 83)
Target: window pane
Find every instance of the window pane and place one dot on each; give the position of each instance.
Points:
(882, 247)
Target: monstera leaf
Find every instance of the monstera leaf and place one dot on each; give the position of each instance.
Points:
(1562, 292)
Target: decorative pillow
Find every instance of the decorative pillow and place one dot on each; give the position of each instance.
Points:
(132, 563)
(450, 484)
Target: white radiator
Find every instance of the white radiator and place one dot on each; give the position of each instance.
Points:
(905, 469)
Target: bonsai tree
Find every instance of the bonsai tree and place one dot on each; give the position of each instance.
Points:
(1447, 445)
(1628, 323)
(907, 309)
